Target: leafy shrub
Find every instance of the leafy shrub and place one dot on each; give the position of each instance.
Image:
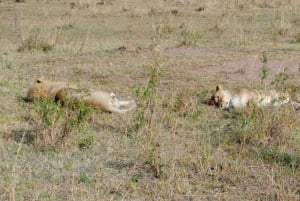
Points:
(54, 122)
(87, 142)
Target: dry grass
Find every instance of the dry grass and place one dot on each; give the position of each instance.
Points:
(174, 147)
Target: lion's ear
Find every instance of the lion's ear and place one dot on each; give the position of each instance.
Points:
(219, 87)
(40, 80)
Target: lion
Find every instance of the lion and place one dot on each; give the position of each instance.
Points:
(101, 100)
(64, 93)
(45, 89)
(242, 97)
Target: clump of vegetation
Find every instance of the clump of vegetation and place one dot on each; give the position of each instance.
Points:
(274, 155)
(145, 125)
(147, 100)
(87, 142)
(281, 80)
(84, 178)
(264, 71)
(261, 127)
(36, 41)
(54, 123)
(164, 30)
(298, 38)
(190, 38)
(185, 106)
(283, 28)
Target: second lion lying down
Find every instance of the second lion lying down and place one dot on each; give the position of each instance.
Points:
(61, 91)
(238, 98)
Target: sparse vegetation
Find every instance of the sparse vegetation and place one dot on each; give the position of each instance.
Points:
(54, 122)
(147, 100)
(174, 146)
(190, 38)
(36, 41)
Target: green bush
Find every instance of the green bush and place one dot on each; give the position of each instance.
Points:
(55, 122)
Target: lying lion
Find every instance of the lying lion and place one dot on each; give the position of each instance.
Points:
(61, 91)
(241, 97)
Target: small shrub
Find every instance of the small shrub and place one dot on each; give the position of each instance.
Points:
(281, 80)
(137, 177)
(284, 159)
(164, 30)
(84, 178)
(87, 142)
(264, 71)
(146, 100)
(264, 59)
(54, 122)
(190, 39)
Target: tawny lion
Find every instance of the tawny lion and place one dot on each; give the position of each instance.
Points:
(61, 91)
(238, 98)
(46, 89)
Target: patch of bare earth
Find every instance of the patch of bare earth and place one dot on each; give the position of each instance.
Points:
(237, 65)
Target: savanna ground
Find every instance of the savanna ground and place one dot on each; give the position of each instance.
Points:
(169, 56)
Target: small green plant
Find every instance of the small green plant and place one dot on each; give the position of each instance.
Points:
(264, 59)
(137, 177)
(281, 80)
(264, 71)
(285, 159)
(190, 39)
(147, 100)
(84, 178)
(55, 122)
(87, 142)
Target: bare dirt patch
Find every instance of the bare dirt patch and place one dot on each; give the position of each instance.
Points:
(237, 65)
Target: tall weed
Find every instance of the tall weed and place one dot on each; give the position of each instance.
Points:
(147, 100)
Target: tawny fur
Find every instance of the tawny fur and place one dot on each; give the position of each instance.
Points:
(45, 89)
(98, 99)
(61, 91)
(238, 98)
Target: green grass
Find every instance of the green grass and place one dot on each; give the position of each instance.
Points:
(173, 147)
